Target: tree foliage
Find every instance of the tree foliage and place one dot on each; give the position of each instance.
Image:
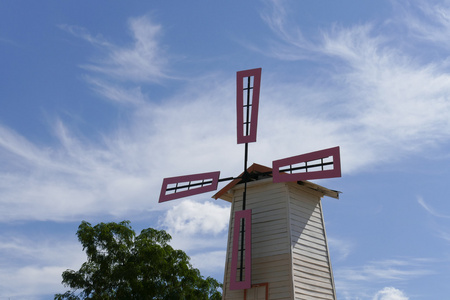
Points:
(121, 265)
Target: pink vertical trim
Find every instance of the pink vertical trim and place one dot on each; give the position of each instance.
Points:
(241, 135)
(286, 162)
(187, 180)
(247, 282)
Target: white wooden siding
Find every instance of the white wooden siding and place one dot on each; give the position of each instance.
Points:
(311, 266)
(289, 249)
(271, 255)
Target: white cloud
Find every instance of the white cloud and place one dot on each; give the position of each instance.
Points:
(114, 92)
(189, 217)
(291, 43)
(445, 235)
(38, 265)
(390, 293)
(383, 97)
(440, 229)
(428, 21)
(209, 262)
(201, 230)
(339, 247)
(377, 110)
(121, 171)
(388, 91)
(356, 282)
(84, 34)
(430, 209)
(391, 269)
(65, 182)
(142, 61)
(30, 282)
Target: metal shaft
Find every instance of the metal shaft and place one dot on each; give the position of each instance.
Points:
(245, 177)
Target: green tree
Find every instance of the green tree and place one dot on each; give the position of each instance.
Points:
(121, 265)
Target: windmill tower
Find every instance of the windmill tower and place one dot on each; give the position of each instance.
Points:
(277, 245)
(289, 252)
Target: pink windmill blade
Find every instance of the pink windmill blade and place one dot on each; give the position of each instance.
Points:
(188, 185)
(248, 84)
(241, 258)
(315, 165)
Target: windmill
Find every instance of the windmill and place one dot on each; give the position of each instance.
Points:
(288, 180)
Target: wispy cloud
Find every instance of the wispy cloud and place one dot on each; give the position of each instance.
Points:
(114, 92)
(9, 42)
(340, 248)
(358, 281)
(445, 235)
(430, 209)
(439, 225)
(392, 269)
(119, 171)
(143, 61)
(291, 43)
(67, 181)
(83, 33)
(427, 21)
(380, 111)
(386, 97)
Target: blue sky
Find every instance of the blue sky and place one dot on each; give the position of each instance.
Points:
(99, 101)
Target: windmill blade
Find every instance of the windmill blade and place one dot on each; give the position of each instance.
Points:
(188, 185)
(315, 165)
(248, 84)
(241, 256)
